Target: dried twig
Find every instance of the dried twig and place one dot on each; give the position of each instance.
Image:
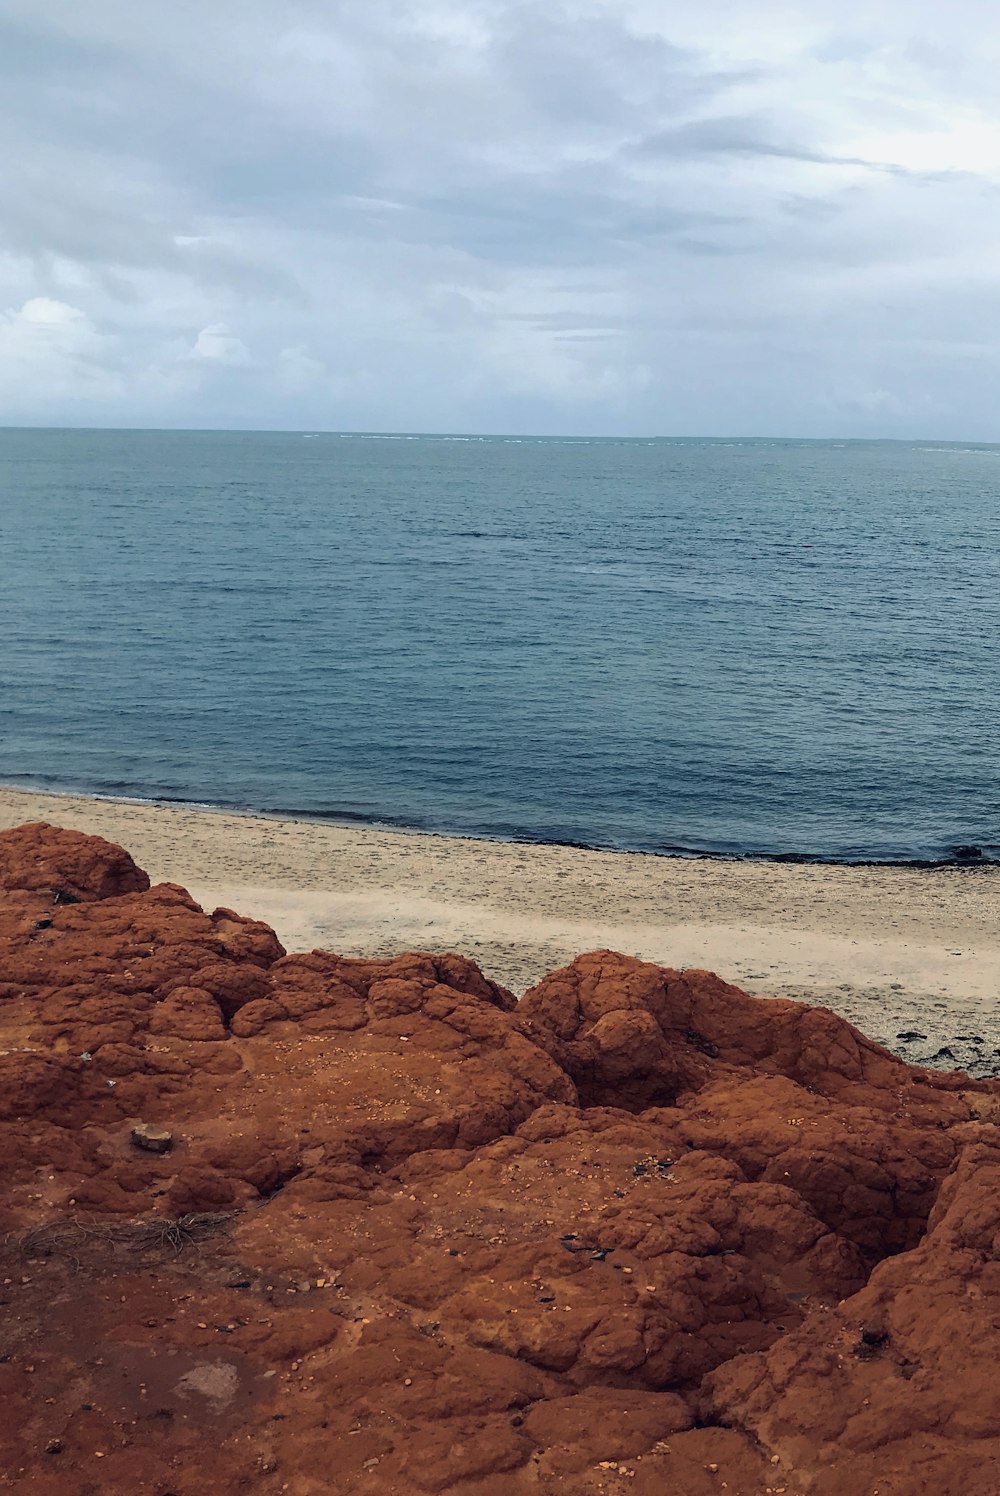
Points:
(153, 1233)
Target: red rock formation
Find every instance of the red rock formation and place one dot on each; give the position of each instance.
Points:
(69, 865)
(637, 1233)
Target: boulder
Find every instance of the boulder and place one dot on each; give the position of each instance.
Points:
(72, 867)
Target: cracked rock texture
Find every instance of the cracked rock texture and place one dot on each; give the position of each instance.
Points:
(638, 1232)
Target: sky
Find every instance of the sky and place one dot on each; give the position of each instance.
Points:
(619, 217)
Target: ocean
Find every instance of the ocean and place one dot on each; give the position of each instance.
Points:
(776, 648)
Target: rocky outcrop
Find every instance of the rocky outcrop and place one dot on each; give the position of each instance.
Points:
(637, 1232)
(73, 867)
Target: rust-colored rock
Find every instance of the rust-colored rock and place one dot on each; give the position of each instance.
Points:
(637, 1233)
(68, 865)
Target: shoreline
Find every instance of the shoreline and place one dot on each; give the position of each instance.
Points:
(894, 950)
(967, 858)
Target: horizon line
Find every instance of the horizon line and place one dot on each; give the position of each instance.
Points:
(565, 436)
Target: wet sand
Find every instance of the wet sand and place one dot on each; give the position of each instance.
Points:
(896, 950)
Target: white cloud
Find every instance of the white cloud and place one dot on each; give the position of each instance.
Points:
(43, 312)
(298, 370)
(216, 344)
(50, 352)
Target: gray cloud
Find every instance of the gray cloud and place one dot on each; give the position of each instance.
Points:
(727, 136)
(577, 216)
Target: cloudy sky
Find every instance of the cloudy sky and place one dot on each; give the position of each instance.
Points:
(614, 216)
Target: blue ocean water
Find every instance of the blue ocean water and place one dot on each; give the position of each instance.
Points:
(767, 647)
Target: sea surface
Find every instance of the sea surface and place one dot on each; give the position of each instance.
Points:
(779, 648)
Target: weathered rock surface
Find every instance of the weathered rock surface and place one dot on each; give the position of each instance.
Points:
(152, 1139)
(70, 866)
(636, 1233)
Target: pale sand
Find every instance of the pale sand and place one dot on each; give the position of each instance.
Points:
(892, 949)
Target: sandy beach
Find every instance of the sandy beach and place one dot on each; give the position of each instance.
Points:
(895, 950)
